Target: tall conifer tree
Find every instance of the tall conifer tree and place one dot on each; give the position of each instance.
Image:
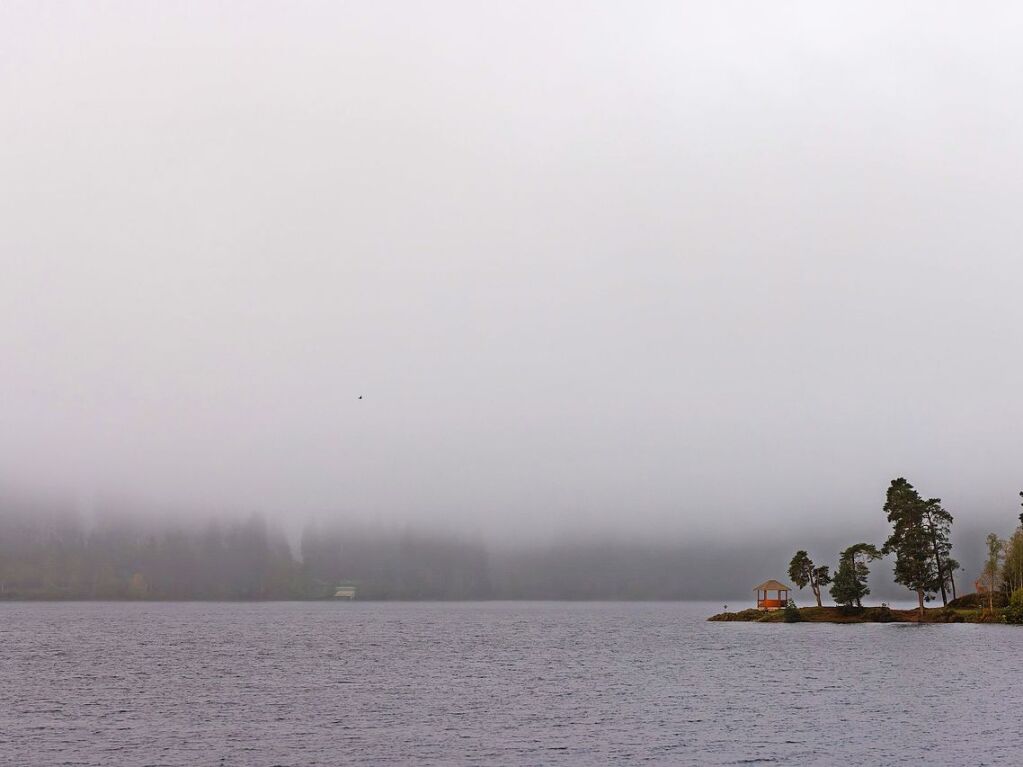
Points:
(939, 525)
(803, 572)
(910, 541)
(850, 583)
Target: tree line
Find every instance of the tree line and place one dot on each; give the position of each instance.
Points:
(48, 553)
(1003, 566)
(920, 541)
(54, 554)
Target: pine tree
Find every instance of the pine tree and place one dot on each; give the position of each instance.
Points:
(911, 541)
(803, 572)
(939, 524)
(951, 565)
(850, 583)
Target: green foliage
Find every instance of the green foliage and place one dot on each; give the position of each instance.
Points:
(993, 564)
(822, 575)
(803, 572)
(1012, 567)
(850, 582)
(938, 523)
(799, 569)
(845, 587)
(1014, 612)
(882, 614)
(978, 601)
(910, 540)
(750, 614)
(948, 615)
(792, 613)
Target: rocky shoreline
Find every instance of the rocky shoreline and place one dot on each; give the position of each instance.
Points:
(882, 614)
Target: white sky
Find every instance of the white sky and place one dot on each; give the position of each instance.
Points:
(702, 267)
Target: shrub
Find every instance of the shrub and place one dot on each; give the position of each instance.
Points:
(751, 614)
(948, 615)
(978, 601)
(792, 613)
(1014, 612)
(882, 614)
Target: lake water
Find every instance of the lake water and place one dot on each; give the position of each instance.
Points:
(495, 683)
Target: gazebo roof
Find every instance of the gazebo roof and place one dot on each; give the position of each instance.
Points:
(772, 585)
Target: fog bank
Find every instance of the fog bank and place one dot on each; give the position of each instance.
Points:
(709, 271)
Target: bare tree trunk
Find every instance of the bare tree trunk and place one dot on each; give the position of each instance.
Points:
(952, 580)
(941, 570)
(937, 558)
(920, 598)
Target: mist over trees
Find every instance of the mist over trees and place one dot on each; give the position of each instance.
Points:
(55, 556)
(49, 552)
(394, 565)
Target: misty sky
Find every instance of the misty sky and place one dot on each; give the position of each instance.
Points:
(702, 267)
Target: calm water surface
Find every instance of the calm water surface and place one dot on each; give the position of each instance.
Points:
(495, 683)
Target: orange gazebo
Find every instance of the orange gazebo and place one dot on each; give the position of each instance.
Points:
(764, 599)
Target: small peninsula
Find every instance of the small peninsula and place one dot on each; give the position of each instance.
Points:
(971, 608)
(920, 541)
